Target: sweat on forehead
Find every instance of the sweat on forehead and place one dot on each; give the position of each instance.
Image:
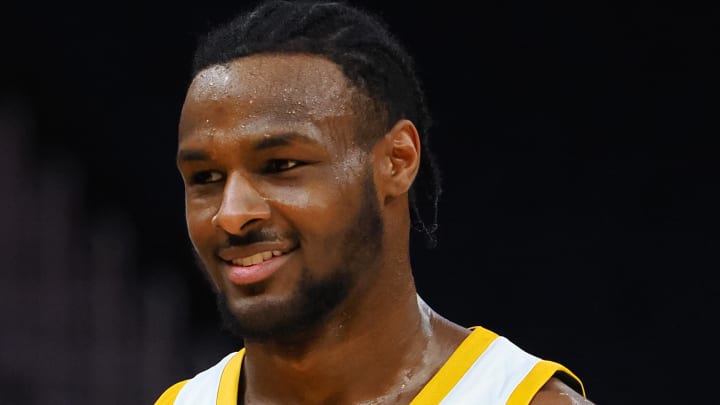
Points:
(313, 84)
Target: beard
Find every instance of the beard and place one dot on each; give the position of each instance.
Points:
(314, 299)
(311, 303)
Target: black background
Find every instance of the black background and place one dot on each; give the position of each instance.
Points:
(576, 141)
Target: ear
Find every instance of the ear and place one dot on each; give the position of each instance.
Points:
(397, 159)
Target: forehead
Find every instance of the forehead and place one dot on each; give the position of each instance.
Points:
(258, 87)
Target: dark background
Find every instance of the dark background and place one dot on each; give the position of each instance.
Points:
(578, 219)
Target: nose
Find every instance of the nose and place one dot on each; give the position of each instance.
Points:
(241, 205)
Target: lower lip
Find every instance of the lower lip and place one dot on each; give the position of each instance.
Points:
(244, 275)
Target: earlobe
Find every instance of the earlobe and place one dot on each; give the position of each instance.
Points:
(401, 156)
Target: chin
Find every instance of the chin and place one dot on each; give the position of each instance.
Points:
(261, 316)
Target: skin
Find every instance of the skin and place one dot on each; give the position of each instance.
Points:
(312, 198)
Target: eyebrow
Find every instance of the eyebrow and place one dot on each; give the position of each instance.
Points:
(192, 155)
(267, 142)
(282, 139)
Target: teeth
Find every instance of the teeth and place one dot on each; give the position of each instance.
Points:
(256, 258)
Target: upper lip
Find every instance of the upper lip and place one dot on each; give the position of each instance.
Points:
(239, 252)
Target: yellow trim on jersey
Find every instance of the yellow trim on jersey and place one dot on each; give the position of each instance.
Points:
(230, 379)
(571, 374)
(168, 397)
(433, 393)
(455, 367)
(536, 378)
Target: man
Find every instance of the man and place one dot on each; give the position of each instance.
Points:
(303, 148)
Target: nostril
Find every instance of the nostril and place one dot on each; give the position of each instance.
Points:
(249, 223)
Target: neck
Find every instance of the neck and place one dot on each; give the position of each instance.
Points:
(383, 349)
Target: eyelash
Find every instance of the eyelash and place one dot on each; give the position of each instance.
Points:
(204, 177)
(272, 166)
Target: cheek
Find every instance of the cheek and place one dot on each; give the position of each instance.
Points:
(314, 203)
(321, 213)
(294, 198)
(198, 216)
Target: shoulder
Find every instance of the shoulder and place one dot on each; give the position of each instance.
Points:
(526, 376)
(204, 383)
(556, 392)
(169, 395)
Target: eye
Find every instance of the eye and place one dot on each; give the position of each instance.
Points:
(206, 177)
(281, 165)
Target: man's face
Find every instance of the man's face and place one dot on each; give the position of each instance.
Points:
(280, 201)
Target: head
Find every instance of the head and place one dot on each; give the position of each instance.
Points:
(300, 143)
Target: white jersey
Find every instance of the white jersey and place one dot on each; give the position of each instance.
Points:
(485, 369)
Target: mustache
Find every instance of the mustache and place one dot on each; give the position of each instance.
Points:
(253, 236)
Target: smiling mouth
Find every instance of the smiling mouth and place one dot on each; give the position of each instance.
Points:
(256, 258)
